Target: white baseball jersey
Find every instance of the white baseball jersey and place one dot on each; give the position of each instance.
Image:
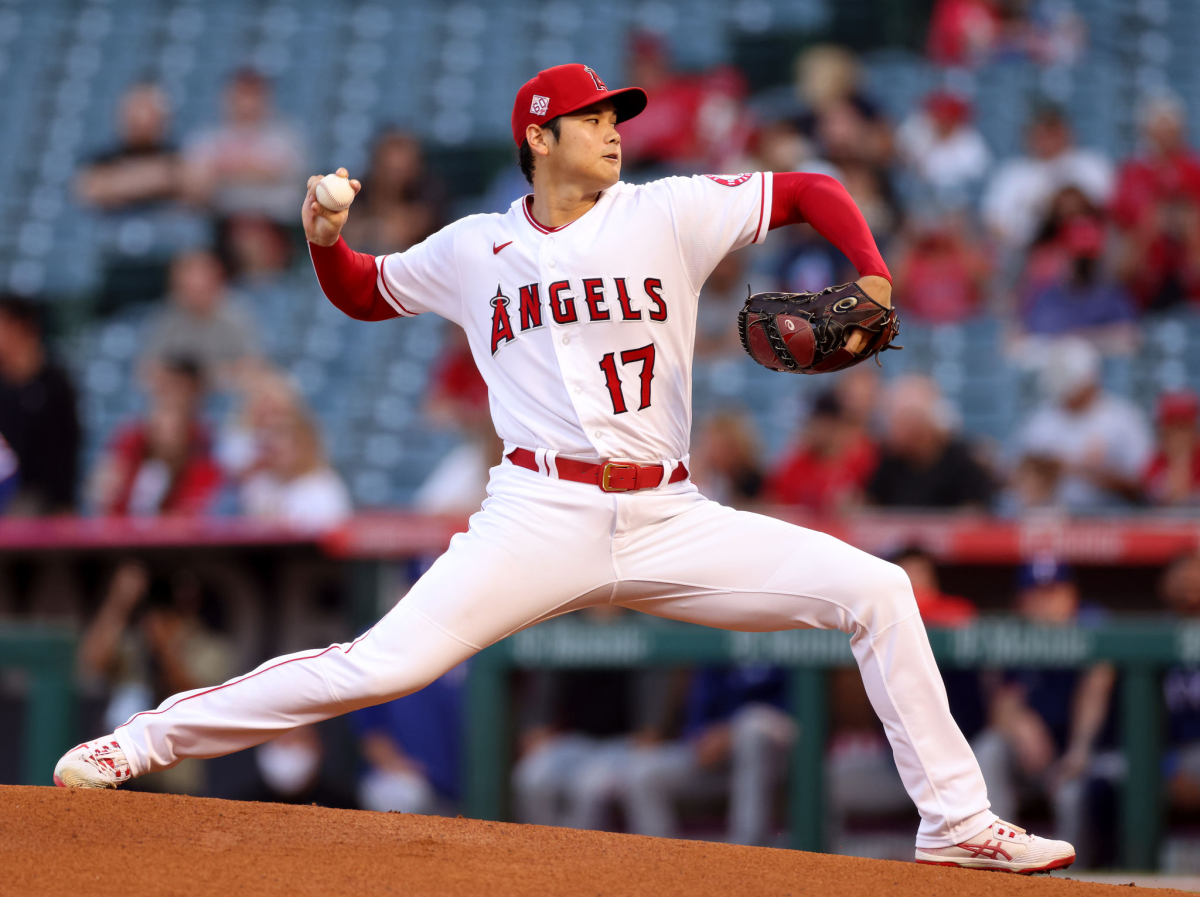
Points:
(584, 333)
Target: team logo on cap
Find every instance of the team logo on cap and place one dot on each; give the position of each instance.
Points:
(729, 180)
(540, 105)
(600, 85)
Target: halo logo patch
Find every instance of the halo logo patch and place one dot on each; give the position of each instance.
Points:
(600, 85)
(730, 180)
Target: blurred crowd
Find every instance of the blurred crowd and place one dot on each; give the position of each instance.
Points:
(193, 235)
(1071, 249)
(865, 443)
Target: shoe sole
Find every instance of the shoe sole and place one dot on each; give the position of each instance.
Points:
(1049, 867)
(71, 779)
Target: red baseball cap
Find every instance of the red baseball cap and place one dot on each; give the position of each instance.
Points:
(1180, 407)
(567, 88)
(1084, 237)
(948, 107)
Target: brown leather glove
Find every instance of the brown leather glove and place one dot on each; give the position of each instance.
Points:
(806, 333)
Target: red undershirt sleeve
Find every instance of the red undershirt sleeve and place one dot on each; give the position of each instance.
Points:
(349, 281)
(821, 201)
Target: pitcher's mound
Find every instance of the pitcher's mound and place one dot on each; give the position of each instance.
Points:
(90, 843)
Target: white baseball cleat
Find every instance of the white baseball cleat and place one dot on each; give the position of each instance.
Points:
(94, 764)
(1002, 848)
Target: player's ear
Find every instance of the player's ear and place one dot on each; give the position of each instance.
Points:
(539, 139)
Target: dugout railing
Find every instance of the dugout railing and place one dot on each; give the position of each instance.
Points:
(1139, 648)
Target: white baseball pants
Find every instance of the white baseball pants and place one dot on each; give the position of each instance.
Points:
(541, 547)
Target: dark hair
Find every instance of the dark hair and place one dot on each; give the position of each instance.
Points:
(525, 154)
(1051, 114)
(21, 311)
(185, 366)
(827, 404)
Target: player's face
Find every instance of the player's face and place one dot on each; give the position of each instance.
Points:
(588, 149)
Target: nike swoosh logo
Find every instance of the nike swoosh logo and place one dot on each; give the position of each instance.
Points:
(496, 249)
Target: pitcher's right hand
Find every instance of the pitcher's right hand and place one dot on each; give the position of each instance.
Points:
(321, 226)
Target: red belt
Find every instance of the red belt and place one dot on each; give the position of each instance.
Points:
(610, 476)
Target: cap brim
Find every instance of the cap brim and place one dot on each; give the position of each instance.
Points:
(629, 102)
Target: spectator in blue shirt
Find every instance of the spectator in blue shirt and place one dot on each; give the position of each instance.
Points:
(1080, 297)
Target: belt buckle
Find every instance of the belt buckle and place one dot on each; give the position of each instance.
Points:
(606, 476)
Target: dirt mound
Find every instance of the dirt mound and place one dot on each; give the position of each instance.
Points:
(59, 842)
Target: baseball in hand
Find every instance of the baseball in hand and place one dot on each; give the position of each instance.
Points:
(334, 192)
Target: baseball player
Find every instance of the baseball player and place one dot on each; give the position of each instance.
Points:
(579, 304)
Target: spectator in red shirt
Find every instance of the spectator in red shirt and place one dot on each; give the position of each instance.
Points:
(699, 122)
(828, 468)
(941, 270)
(458, 396)
(972, 32)
(161, 465)
(962, 32)
(1173, 474)
(1157, 205)
(938, 609)
(1048, 259)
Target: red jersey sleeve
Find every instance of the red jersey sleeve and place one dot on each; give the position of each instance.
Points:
(822, 202)
(349, 281)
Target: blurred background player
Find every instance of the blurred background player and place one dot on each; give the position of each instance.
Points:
(412, 749)
(1050, 730)
(150, 638)
(1180, 591)
(580, 734)
(736, 735)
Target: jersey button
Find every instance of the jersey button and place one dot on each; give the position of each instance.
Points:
(566, 341)
(578, 390)
(597, 434)
(550, 264)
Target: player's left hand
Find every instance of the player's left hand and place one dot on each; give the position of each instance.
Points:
(879, 289)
